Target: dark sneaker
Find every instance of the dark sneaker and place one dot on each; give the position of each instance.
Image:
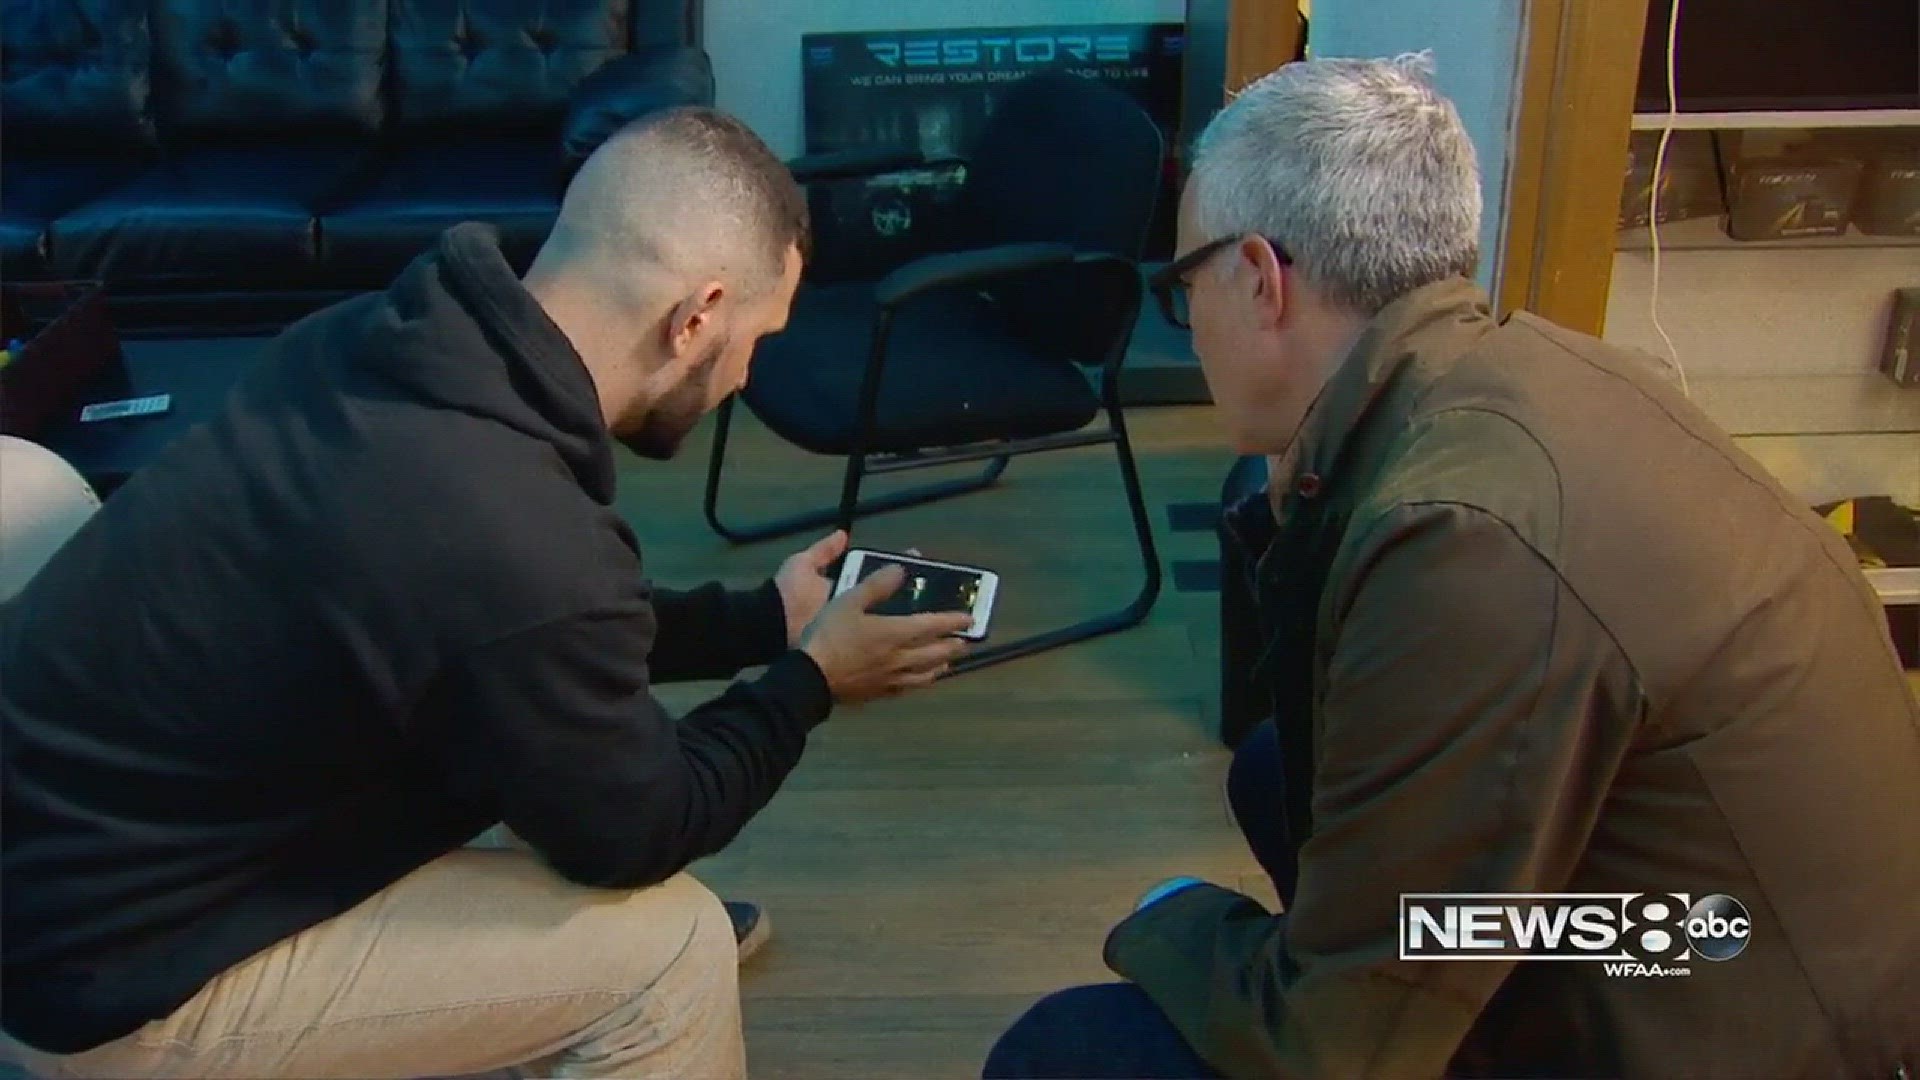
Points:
(751, 928)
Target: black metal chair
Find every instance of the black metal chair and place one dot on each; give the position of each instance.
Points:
(976, 354)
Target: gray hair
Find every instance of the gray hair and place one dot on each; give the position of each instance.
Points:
(1360, 169)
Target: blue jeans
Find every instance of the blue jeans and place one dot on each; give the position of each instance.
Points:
(1113, 1031)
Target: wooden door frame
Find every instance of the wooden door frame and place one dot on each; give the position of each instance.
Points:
(1578, 78)
(1261, 35)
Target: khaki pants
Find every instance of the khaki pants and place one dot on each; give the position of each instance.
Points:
(481, 960)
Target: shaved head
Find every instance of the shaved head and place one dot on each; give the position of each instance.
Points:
(678, 246)
(688, 192)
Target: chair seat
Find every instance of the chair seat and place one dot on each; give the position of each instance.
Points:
(955, 374)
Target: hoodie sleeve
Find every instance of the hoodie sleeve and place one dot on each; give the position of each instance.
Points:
(712, 632)
(555, 730)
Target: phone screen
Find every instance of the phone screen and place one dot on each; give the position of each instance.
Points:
(926, 589)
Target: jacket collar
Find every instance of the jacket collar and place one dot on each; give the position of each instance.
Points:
(1434, 321)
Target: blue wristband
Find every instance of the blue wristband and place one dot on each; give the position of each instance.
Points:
(1165, 889)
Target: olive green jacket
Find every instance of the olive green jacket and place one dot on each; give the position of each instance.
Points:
(1568, 638)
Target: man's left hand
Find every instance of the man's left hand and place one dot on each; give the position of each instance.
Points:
(803, 583)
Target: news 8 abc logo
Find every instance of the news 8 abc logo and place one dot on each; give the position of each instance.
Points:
(1665, 927)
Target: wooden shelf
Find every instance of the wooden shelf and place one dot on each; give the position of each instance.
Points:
(1896, 584)
(1738, 309)
(1756, 405)
(1709, 234)
(1793, 118)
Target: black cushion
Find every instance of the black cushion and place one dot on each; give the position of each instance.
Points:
(419, 193)
(280, 70)
(74, 78)
(463, 68)
(955, 374)
(628, 88)
(22, 243)
(34, 192)
(211, 217)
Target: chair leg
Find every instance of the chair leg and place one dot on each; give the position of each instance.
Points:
(722, 422)
(851, 507)
(1125, 617)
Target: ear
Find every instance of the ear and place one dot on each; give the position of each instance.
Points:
(1267, 279)
(692, 317)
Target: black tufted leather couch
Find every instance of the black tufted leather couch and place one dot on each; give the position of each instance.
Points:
(238, 162)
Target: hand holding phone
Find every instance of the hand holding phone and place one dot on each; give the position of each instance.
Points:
(929, 586)
(866, 656)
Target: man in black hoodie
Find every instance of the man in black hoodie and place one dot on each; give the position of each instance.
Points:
(382, 602)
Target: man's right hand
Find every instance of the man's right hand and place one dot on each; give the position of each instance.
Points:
(866, 656)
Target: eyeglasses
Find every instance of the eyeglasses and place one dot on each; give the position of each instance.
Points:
(1170, 285)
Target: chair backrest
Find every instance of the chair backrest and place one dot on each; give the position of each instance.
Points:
(1066, 159)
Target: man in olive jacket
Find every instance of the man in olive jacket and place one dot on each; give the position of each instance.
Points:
(1541, 628)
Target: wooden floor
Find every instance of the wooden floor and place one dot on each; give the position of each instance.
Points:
(939, 862)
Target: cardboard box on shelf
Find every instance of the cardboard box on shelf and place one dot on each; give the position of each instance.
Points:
(1900, 361)
(1786, 197)
(1789, 183)
(1689, 182)
(1890, 189)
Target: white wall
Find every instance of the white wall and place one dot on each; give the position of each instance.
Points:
(755, 44)
(1476, 50)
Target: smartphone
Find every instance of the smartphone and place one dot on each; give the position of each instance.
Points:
(930, 586)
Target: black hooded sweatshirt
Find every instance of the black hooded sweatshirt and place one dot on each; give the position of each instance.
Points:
(378, 603)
